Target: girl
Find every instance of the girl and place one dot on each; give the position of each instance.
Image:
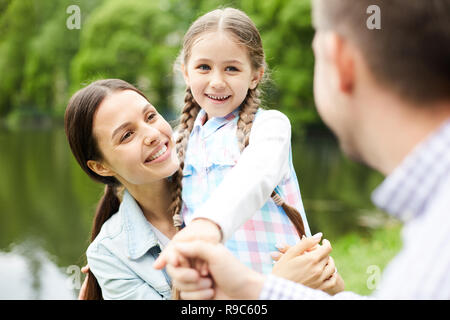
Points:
(119, 139)
(236, 157)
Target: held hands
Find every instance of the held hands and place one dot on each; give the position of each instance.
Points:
(228, 278)
(309, 263)
(198, 229)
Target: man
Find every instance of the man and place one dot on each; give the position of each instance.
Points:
(385, 93)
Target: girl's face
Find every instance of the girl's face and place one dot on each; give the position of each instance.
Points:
(219, 73)
(134, 139)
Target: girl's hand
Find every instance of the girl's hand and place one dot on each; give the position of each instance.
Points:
(309, 263)
(198, 229)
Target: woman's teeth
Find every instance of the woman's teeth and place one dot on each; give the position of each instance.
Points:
(158, 154)
(219, 98)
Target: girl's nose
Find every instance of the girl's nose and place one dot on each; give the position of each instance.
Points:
(217, 81)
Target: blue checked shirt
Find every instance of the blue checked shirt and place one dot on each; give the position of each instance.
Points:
(233, 189)
(418, 193)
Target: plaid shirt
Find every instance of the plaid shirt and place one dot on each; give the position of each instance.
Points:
(418, 193)
(212, 153)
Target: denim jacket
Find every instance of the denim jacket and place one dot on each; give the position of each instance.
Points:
(122, 255)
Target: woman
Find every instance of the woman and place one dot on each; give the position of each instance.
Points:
(119, 139)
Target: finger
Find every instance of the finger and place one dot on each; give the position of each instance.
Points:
(328, 270)
(197, 295)
(201, 266)
(202, 284)
(323, 251)
(85, 269)
(329, 283)
(204, 271)
(82, 293)
(282, 247)
(179, 274)
(196, 249)
(303, 245)
(161, 261)
(276, 256)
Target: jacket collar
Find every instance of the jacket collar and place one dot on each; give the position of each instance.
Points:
(138, 230)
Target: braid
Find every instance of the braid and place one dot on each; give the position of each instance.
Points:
(246, 117)
(187, 119)
(244, 126)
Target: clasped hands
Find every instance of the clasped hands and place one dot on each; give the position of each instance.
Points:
(202, 268)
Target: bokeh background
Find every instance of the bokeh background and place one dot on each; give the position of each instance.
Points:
(47, 202)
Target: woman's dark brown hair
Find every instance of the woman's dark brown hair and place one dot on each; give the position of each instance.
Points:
(78, 124)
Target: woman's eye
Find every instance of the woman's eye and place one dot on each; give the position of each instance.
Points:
(126, 136)
(231, 69)
(151, 116)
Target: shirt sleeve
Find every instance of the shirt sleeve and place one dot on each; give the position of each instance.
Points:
(249, 184)
(116, 280)
(276, 288)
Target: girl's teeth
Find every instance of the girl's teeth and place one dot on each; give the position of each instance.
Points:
(159, 153)
(218, 97)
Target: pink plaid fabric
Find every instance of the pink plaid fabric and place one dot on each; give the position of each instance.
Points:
(212, 151)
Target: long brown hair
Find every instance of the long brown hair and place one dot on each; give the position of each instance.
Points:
(244, 31)
(78, 122)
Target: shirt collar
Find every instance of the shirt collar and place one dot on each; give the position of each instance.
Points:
(407, 190)
(213, 124)
(138, 231)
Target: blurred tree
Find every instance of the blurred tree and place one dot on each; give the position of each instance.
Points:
(285, 26)
(42, 62)
(132, 40)
(46, 71)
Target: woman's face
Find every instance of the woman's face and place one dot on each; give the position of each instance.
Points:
(134, 139)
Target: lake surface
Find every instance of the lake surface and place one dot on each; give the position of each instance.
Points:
(47, 203)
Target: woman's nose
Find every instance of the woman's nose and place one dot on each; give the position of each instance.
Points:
(151, 141)
(151, 137)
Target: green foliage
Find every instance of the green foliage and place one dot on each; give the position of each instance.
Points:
(358, 257)
(131, 41)
(43, 62)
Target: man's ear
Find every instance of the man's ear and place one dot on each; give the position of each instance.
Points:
(342, 54)
(257, 76)
(99, 168)
(185, 73)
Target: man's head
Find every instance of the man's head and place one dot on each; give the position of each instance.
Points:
(409, 58)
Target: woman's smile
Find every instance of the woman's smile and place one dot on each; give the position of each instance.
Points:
(160, 154)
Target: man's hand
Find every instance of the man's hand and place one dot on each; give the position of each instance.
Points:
(232, 280)
(198, 229)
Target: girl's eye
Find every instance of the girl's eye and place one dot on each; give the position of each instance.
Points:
(126, 136)
(204, 67)
(231, 69)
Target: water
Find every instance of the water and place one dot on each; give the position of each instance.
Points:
(47, 203)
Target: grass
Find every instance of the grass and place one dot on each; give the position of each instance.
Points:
(360, 259)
